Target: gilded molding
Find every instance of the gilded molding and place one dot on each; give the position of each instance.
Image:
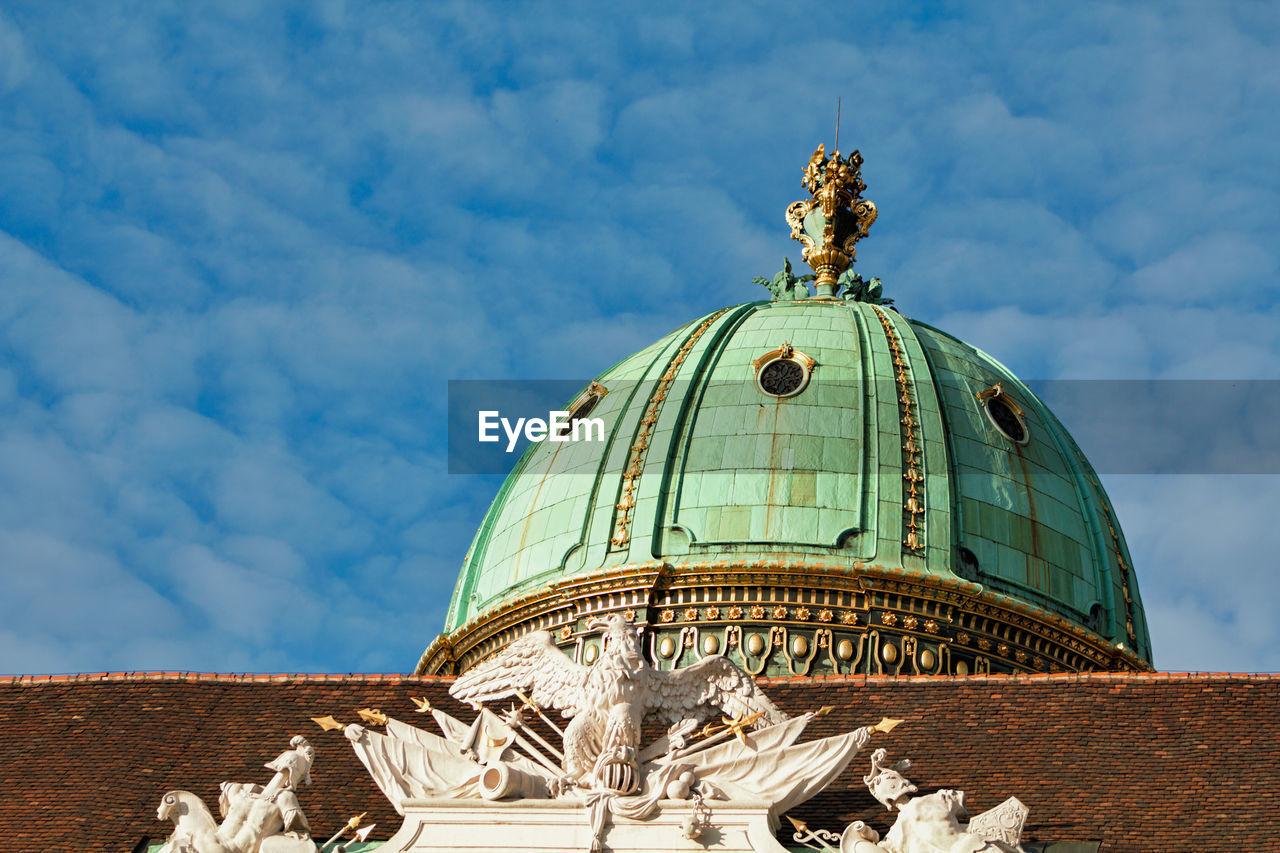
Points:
(639, 448)
(700, 599)
(1130, 630)
(913, 503)
(997, 392)
(784, 351)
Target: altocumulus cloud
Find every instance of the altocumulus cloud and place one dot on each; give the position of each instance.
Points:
(243, 250)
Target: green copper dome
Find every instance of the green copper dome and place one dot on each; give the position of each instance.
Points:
(814, 484)
(888, 457)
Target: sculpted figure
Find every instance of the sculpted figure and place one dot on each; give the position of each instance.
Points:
(855, 288)
(254, 819)
(608, 700)
(886, 782)
(785, 286)
(293, 766)
(194, 829)
(931, 825)
(604, 774)
(251, 814)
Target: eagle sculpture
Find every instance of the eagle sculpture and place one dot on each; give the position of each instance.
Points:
(608, 700)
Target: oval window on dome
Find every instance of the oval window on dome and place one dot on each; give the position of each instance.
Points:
(584, 408)
(1005, 415)
(784, 372)
(583, 405)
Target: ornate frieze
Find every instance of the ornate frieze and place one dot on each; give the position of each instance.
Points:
(814, 619)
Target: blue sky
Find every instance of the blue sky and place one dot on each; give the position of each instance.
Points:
(243, 247)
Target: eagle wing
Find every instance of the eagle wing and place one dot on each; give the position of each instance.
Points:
(532, 665)
(713, 682)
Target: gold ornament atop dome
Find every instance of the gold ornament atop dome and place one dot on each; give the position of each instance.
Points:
(832, 222)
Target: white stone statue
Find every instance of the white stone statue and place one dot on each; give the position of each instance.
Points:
(254, 819)
(928, 824)
(194, 829)
(931, 824)
(293, 766)
(500, 784)
(886, 782)
(608, 700)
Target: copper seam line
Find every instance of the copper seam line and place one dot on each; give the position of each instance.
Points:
(1130, 630)
(640, 447)
(909, 411)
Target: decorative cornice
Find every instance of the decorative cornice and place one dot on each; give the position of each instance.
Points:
(858, 679)
(867, 600)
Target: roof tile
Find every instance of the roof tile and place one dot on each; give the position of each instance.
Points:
(1147, 761)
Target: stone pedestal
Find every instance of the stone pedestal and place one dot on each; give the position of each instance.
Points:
(563, 826)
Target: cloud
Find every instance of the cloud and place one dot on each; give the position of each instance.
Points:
(13, 59)
(242, 250)
(1202, 549)
(63, 585)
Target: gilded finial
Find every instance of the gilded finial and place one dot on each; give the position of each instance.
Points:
(830, 224)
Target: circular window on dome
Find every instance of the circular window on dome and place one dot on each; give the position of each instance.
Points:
(1005, 415)
(783, 372)
(782, 377)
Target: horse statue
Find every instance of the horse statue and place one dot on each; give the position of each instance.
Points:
(252, 823)
(254, 819)
(194, 829)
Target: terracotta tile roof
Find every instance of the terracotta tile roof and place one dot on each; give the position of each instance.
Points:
(1153, 762)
